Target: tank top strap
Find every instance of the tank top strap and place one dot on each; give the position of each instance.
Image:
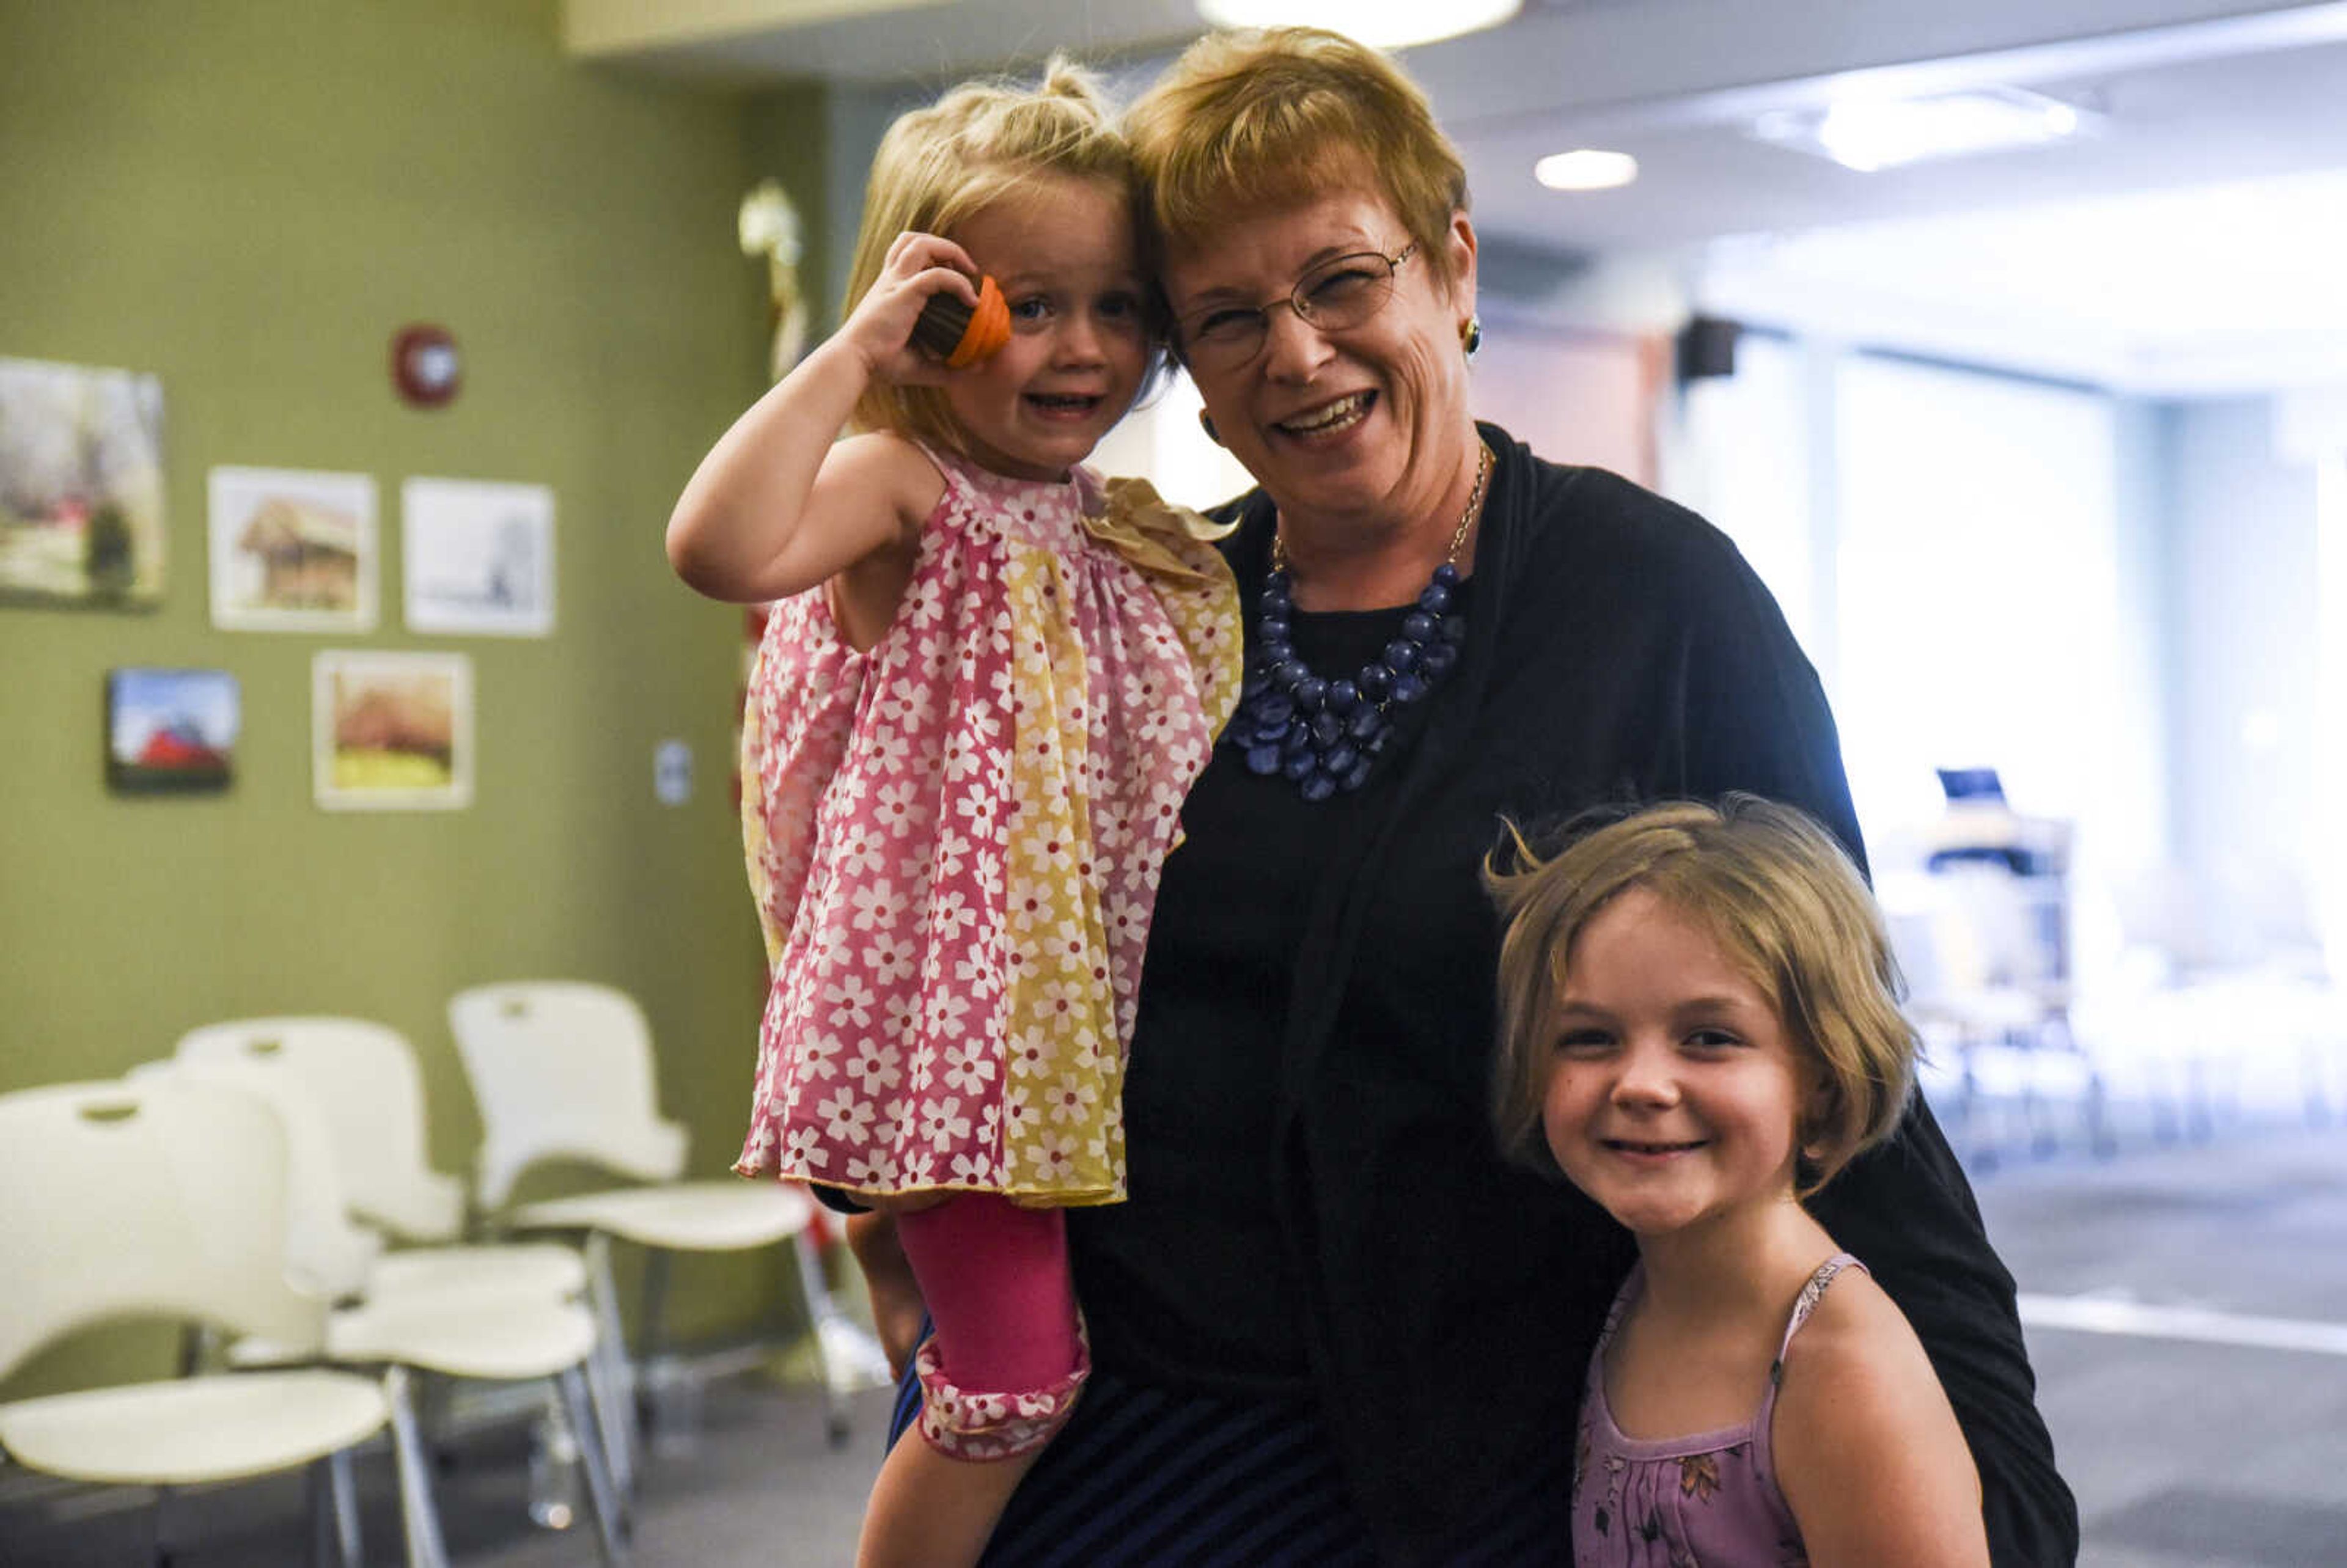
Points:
(1805, 1304)
(1631, 1287)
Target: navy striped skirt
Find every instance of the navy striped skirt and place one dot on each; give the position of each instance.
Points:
(1143, 1478)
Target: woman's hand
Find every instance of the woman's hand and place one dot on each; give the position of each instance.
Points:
(879, 330)
(896, 1306)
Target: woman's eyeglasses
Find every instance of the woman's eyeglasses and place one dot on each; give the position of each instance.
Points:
(1340, 293)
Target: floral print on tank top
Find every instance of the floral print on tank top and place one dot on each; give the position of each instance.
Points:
(1708, 1501)
(954, 838)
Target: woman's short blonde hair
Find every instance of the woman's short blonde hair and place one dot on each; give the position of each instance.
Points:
(1785, 906)
(1256, 119)
(938, 166)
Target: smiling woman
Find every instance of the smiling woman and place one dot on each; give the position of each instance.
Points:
(1332, 1325)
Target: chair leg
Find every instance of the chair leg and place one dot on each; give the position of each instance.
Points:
(343, 1486)
(821, 1309)
(648, 1345)
(419, 1517)
(611, 1378)
(602, 1495)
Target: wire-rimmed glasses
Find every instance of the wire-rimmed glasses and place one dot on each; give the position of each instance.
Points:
(1342, 292)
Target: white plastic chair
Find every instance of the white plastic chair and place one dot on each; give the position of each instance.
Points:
(363, 1079)
(484, 1330)
(563, 1069)
(167, 1199)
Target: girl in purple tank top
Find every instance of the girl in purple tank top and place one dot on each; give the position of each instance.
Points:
(1701, 1027)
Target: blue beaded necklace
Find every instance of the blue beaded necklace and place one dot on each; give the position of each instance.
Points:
(1326, 735)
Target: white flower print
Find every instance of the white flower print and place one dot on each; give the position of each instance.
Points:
(915, 704)
(891, 957)
(892, 808)
(844, 1117)
(798, 1149)
(877, 903)
(943, 1011)
(1068, 943)
(1030, 1047)
(969, 1067)
(873, 1069)
(987, 873)
(857, 850)
(818, 1052)
(951, 849)
(1064, 1005)
(942, 1123)
(851, 1000)
(1071, 1100)
(978, 811)
(1053, 1157)
(888, 745)
(872, 1168)
(952, 918)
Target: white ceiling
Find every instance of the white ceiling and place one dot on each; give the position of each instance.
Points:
(2087, 259)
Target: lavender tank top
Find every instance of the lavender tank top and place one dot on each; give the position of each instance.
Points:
(1709, 1500)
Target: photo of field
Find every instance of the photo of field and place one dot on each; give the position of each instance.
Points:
(81, 485)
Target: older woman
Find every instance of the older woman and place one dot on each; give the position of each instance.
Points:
(1330, 1325)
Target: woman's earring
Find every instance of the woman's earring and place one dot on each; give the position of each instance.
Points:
(1471, 336)
(1206, 423)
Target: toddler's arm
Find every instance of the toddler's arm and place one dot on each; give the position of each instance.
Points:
(775, 507)
(1868, 1451)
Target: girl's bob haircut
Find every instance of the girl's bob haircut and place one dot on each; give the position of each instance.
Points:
(975, 146)
(1785, 905)
(1257, 120)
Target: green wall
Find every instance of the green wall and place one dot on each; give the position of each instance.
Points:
(246, 198)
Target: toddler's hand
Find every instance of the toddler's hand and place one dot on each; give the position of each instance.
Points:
(880, 328)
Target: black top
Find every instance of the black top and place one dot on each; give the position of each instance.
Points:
(1317, 1203)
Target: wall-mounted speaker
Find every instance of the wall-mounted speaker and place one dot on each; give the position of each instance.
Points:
(1706, 346)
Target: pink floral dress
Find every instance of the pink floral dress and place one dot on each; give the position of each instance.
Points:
(954, 838)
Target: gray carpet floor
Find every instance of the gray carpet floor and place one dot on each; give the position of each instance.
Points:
(2202, 1453)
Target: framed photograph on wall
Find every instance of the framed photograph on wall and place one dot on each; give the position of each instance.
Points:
(478, 557)
(171, 731)
(391, 732)
(292, 550)
(81, 485)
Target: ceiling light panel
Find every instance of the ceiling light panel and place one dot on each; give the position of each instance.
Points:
(1871, 134)
(1381, 24)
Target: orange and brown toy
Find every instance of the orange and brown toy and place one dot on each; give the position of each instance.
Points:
(959, 336)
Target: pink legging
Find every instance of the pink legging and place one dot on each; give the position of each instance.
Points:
(995, 1276)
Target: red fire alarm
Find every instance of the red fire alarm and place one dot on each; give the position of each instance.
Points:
(425, 365)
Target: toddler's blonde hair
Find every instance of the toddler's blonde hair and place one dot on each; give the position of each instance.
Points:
(939, 165)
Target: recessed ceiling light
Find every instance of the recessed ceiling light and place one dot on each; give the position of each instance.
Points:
(1869, 134)
(1585, 169)
(1381, 24)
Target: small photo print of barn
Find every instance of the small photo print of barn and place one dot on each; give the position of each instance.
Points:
(292, 550)
(391, 732)
(171, 729)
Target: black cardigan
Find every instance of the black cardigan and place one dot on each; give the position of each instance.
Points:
(1618, 649)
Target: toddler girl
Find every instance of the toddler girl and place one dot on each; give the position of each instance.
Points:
(972, 719)
(1699, 1028)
